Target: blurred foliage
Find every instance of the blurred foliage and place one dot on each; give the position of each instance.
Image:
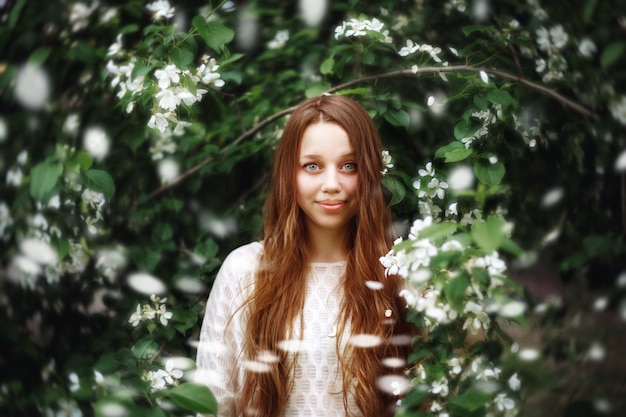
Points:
(99, 211)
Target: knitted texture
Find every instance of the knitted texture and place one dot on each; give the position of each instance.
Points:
(317, 388)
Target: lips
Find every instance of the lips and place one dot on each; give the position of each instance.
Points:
(331, 205)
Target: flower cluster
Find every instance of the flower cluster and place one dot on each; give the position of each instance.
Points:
(81, 13)
(387, 162)
(450, 280)
(553, 64)
(280, 40)
(362, 28)
(39, 233)
(487, 117)
(157, 312)
(171, 88)
(428, 187)
(161, 9)
(411, 48)
(162, 378)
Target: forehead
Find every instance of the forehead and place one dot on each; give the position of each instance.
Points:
(325, 139)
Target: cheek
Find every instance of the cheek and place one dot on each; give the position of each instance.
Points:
(303, 185)
(352, 185)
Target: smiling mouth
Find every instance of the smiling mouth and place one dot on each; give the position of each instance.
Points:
(331, 205)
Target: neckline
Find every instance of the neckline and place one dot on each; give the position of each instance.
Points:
(336, 263)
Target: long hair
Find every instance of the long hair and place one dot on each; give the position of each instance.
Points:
(280, 283)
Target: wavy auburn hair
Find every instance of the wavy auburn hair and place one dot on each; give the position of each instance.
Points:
(280, 283)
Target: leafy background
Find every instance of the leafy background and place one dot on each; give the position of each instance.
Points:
(164, 211)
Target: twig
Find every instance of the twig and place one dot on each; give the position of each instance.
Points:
(392, 74)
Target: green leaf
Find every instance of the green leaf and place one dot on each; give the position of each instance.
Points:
(315, 90)
(327, 66)
(489, 235)
(44, 177)
(589, 10)
(453, 152)
(207, 249)
(99, 181)
(398, 117)
(39, 56)
(488, 173)
(438, 230)
(145, 348)
(465, 129)
(470, 400)
(15, 13)
(501, 97)
(213, 33)
(473, 28)
(194, 397)
(181, 57)
(395, 186)
(512, 247)
(612, 54)
(156, 412)
(362, 91)
(80, 161)
(481, 102)
(455, 291)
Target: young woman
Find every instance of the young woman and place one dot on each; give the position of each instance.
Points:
(305, 323)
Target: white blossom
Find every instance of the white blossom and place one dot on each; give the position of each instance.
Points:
(74, 381)
(514, 382)
(409, 49)
(440, 387)
(168, 75)
(93, 199)
(79, 15)
(361, 27)
(4, 129)
(161, 9)
(14, 177)
(280, 40)
(559, 36)
(455, 365)
(116, 47)
(429, 171)
(618, 109)
(587, 48)
(503, 402)
(437, 188)
(543, 39)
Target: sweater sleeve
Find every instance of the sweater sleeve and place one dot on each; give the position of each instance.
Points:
(220, 350)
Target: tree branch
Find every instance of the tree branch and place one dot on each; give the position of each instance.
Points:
(392, 74)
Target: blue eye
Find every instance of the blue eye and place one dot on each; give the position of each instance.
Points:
(349, 166)
(311, 166)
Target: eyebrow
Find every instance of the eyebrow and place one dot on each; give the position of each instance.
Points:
(313, 156)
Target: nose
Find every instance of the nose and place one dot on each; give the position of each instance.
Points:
(330, 181)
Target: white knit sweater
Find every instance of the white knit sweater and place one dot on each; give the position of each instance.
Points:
(220, 361)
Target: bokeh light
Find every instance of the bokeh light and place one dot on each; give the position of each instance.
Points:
(461, 178)
(32, 87)
(96, 142)
(393, 384)
(365, 340)
(144, 283)
(313, 11)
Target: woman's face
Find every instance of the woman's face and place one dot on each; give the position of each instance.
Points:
(327, 178)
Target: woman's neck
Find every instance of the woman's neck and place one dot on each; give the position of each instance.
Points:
(328, 246)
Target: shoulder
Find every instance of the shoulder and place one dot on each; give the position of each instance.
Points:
(235, 278)
(243, 260)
